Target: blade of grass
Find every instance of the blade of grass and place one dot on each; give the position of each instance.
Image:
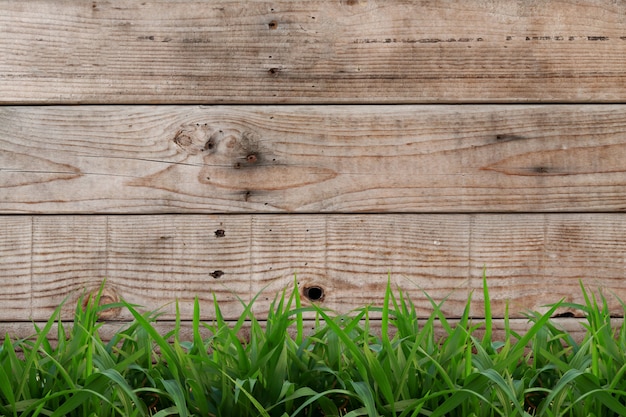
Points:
(298, 311)
(518, 348)
(487, 342)
(170, 411)
(263, 412)
(591, 389)
(175, 391)
(30, 359)
(312, 397)
(364, 392)
(502, 385)
(5, 382)
(165, 347)
(461, 395)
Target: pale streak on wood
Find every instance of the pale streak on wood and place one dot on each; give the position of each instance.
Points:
(189, 159)
(531, 260)
(137, 51)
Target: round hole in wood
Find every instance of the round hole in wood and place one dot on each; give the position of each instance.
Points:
(313, 293)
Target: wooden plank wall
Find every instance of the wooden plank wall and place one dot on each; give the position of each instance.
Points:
(184, 148)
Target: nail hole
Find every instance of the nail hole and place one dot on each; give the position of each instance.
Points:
(251, 158)
(217, 274)
(314, 293)
(220, 233)
(272, 25)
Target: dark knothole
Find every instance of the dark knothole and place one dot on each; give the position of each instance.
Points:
(313, 293)
(217, 274)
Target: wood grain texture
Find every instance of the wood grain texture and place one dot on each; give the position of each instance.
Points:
(407, 158)
(285, 51)
(531, 260)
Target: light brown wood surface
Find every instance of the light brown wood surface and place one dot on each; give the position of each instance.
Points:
(343, 51)
(190, 159)
(223, 146)
(531, 260)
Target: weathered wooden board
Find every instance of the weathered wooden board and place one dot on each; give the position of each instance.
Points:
(531, 260)
(107, 330)
(188, 159)
(257, 51)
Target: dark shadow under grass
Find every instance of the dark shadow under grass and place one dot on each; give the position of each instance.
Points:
(344, 367)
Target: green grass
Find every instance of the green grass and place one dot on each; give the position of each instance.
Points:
(345, 366)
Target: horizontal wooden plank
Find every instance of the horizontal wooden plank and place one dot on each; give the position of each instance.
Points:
(107, 330)
(188, 159)
(344, 261)
(285, 51)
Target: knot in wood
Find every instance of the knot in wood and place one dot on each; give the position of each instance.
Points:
(313, 293)
(105, 296)
(183, 139)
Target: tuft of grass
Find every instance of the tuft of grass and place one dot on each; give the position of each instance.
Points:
(348, 365)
